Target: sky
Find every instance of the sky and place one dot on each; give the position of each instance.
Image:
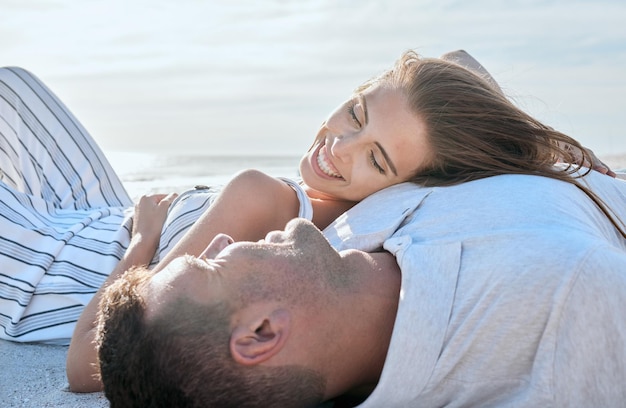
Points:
(259, 76)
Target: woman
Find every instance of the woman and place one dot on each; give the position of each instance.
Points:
(66, 218)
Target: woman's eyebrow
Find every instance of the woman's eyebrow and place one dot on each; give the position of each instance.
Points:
(387, 158)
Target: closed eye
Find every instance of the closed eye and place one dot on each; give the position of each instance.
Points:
(387, 159)
(352, 113)
(375, 163)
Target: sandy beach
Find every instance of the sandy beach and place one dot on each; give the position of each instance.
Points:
(33, 375)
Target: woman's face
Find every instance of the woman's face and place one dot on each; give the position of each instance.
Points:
(370, 142)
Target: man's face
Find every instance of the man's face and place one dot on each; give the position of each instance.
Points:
(326, 309)
(296, 261)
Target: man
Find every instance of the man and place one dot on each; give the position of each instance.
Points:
(220, 311)
(510, 293)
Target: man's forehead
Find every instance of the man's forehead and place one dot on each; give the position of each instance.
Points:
(173, 280)
(171, 271)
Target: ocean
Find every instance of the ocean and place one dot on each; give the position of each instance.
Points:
(144, 173)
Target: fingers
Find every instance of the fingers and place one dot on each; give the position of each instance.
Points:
(598, 165)
(161, 199)
(603, 168)
(150, 213)
(165, 200)
(156, 198)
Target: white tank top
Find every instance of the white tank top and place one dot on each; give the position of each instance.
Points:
(306, 208)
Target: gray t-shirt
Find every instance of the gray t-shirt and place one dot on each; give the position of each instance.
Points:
(512, 294)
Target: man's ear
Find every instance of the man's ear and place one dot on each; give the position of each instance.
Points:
(260, 337)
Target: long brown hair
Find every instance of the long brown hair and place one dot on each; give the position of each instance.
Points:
(476, 132)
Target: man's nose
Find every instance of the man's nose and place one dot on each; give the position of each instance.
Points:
(216, 246)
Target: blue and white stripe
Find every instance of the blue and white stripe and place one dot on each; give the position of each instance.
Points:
(64, 213)
(65, 217)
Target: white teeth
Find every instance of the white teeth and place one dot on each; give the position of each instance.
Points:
(326, 167)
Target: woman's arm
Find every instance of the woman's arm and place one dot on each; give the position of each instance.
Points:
(250, 205)
(150, 213)
(592, 161)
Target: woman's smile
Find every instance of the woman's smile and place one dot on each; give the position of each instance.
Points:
(370, 142)
(325, 165)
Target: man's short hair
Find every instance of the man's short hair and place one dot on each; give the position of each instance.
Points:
(181, 357)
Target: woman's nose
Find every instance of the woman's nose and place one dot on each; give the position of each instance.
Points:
(345, 146)
(216, 246)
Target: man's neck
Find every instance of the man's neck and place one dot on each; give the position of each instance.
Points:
(364, 323)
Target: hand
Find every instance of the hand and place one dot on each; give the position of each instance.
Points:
(598, 165)
(150, 215)
(589, 159)
(592, 161)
